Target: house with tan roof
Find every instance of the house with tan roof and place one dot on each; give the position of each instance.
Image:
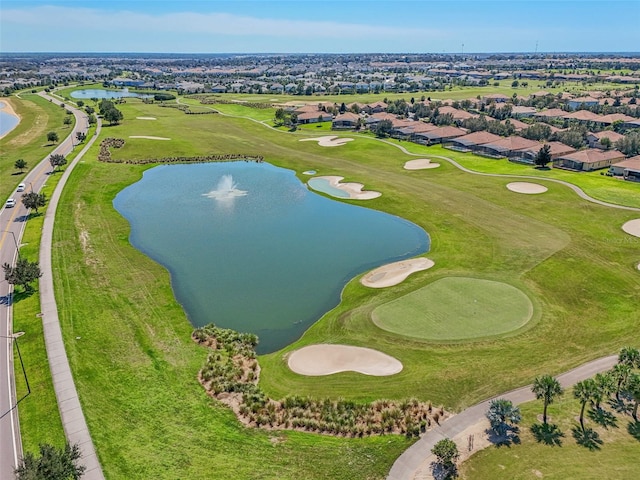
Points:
(528, 155)
(495, 97)
(594, 139)
(345, 120)
(438, 135)
(583, 116)
(469, 142)
(616, 117)
(457, 114)
(375, 107)
(628, 169)
(588, 160)
(505, 146)
(517, 124)
(519, 111)
(551, 113)
(314, 117)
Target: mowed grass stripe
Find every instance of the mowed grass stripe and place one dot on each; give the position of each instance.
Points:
(456, 308)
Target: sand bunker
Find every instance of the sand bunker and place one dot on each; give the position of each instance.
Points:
(395, 273)
(323, 359)
(328, 140)
(632, 227)
(526, 187)
(309, 172)
(353, 189)
(148, 137)
(146, 118)
(420, 164)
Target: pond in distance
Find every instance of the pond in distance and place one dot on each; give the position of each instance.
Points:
(249, 247)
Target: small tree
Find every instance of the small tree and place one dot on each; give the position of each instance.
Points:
(503, 416)
(634, 390)
(57, 160)
(113, 116)
(606, 143)
(544, 156)
(52, 464)
(620, 374)
(81, 136)
(80, 103)
(383, 128)
(34, 200)
(546, 388)
(20, 165)
(629, 356)
(22, 274)
(52, 137)
(67, 121)
(446, 451)
(584, 391)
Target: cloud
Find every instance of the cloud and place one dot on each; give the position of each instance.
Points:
(189, 23)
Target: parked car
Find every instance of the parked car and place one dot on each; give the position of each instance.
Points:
(21, 187)
(10, 203)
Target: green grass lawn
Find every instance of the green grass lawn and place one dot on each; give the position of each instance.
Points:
(135, 365)
(456, 308)
(28, 140)
(615, 459)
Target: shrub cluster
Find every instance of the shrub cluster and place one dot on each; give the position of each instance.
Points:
(105, 156)
(231, 373)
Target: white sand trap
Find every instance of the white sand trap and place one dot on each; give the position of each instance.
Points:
(394, 273)
(420, 164)
(328, 140)
(323, 359)
(632, 227)
(148, 137)
(526, 187)
(146, 118)
(353, 189)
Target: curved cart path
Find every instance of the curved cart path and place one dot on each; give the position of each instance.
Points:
(415, 462)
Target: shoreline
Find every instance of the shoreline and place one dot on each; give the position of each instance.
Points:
(8, 109)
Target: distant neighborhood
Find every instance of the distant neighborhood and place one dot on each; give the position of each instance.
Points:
(596, 127)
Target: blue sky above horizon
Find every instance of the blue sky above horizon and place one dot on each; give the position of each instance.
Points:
(308, 26)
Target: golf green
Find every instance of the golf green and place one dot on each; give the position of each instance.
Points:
(456, 308)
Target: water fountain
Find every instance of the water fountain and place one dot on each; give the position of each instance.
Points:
(226, 189)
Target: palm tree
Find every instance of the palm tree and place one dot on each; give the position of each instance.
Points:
(620, 373)
(604, 386)
(629, 356)
(546, 388)
(501, 414)
(585, 392)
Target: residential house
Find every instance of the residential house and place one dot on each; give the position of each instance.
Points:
(217, 88)
(439, 135)
(518, 111)
(505, 146)
(595, 139)
(458, 115)
(616, 117)
(314, 117)
(471, 141)
(588, 160)
(583, 116)
(528, 155)
(345, 120)
(550, 114)
(375, 107)
(495, 97)
(629, 169)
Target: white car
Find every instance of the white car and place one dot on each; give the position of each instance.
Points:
(21, 187)
(10, 203)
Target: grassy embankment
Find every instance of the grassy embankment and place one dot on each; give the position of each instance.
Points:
(153, 418)
(615, 459)
(29, 139)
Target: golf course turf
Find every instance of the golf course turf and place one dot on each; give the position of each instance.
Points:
(456, 308)
(135, 365)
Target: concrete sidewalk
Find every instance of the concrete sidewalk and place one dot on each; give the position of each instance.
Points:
(415, 462)
(73, 421)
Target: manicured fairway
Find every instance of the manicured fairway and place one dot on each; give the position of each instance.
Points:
(456, 308)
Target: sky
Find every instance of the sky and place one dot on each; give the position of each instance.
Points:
(316, 26)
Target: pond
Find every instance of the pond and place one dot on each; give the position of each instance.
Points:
(249, 247)
(7, 121)
(102, 93)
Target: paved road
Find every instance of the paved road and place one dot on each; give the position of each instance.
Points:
(12, 223)
(415, 462)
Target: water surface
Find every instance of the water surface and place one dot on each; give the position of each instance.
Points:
(7, 121)
(270, 261)
(102, 93)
